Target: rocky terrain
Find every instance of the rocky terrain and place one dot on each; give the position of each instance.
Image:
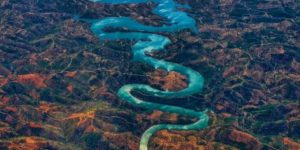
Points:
(58, 83)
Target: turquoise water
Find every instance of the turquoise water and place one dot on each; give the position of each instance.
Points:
(149, 42)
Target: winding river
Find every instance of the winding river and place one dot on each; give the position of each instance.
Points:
(148, 41)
